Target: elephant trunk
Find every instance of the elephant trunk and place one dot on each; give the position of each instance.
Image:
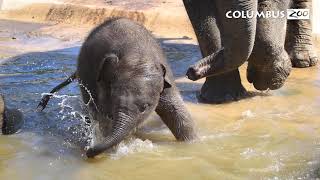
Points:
(203, 67)
(123, 124)
(237, 36)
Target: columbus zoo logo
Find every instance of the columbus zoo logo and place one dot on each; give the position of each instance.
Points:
(290, 14)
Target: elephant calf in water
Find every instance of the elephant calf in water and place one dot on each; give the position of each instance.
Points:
(124, 77)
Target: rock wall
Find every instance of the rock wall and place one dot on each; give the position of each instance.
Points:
(175, 11)
(16, 4)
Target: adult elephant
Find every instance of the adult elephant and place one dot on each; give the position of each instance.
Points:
(227, 43)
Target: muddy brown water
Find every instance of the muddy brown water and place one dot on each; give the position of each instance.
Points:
(276, 136)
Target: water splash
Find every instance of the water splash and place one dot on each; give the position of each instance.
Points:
(132, 146)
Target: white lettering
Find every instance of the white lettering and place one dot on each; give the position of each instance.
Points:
(236, 14)
(228, 14)
(261, 14)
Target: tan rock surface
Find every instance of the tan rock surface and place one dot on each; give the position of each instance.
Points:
(166, 17)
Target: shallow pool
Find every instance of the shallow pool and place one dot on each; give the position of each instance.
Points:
(276, 136)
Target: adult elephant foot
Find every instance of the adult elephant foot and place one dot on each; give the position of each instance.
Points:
(11, 120)
(268, 71)
(303, 58)
(223, 88)
(299, 43)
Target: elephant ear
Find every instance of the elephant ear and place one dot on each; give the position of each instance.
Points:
(109, 62)
(167, 82)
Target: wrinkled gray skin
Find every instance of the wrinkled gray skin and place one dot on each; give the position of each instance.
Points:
(227, 43)
(124, 77)
(299, 43)
(11, 120)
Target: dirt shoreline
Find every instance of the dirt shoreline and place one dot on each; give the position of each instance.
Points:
(166, 18)
(163, 21)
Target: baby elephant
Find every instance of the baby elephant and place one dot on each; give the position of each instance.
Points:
(124, 76)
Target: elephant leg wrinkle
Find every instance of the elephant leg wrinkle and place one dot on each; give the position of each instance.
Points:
(299, 38)
(269, 64)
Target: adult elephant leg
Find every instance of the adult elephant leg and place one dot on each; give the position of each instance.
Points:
(237, 38)
(299, 38)
(269, 64)
(220, 88)
(223, 88)
(175, 115)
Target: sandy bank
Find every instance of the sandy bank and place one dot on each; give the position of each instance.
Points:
(164, 17)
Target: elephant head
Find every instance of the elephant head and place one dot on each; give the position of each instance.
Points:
(125, 97)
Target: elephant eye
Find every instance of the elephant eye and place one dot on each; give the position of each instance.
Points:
(109, 116)
(144, 107)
